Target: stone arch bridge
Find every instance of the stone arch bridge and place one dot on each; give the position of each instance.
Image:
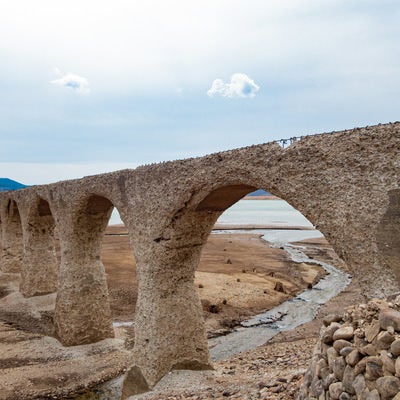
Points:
(346, 183)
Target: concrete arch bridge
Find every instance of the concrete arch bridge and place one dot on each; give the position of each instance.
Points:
(346, 183)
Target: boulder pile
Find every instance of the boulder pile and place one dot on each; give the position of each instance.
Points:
(357, 356)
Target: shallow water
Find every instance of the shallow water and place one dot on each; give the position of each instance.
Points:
(292, 313)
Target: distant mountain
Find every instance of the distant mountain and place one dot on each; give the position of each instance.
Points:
(259, 192)
(9, 184)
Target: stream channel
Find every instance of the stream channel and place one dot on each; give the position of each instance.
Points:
(290, 314)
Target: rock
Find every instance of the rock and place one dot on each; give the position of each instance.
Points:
(389, 317)
(397, 397)
(397, 367)
(331, 355)
(360, 342)
(346, 351)
(372, 330)
(335, 390)
(346, 332)
(384, 340)
(316, 388)
(373, 368)
(277, 389)
(328, 319)
(327, 336)
(388, 386)
(359, 384)
(348, 379)
(369, 350)
(395, 347)
(339, 344)
(338, 366)
(387, 361)
(344, 396)
(359, 333)
(360, 366)
(373, 395)
(326, 382)
(322, 369)
(353, 358)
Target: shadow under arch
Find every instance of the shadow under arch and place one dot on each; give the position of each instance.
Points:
(12, 241)
(39, 274)
(224, 197)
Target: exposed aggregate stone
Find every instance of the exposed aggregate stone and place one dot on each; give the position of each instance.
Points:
(357, 356)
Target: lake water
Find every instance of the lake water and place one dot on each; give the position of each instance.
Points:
(263, 212)
(272, 213)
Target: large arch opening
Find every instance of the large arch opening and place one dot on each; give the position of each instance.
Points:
(251, 263)
(12, 244)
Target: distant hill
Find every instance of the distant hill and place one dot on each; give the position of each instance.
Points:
(9, 184)
(259, 192)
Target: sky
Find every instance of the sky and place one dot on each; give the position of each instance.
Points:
(94, 86)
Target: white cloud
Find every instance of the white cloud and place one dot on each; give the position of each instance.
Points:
(75, 82)
(240, 86)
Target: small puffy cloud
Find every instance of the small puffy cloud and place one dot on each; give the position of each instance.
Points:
(240, 86)
(74, 82)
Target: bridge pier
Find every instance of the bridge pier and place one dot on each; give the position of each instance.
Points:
(12, 244)
(82, 312)
(169, 325)
(39, 274)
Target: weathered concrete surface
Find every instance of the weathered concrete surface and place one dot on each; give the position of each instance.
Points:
(12, 247)
(346, 183)
(39, 270)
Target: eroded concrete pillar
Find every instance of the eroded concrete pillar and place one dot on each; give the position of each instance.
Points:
(169, 325)
(39, 274)
(12, 244)
(82, 313)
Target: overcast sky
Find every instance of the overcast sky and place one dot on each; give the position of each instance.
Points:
(92, 86)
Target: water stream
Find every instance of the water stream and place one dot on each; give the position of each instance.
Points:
(288, 315)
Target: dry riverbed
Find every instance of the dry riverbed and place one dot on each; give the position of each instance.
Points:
(239, 276)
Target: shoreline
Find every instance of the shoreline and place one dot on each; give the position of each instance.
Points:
(266, 197)
(119, 229)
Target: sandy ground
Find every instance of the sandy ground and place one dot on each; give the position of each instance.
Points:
(237, 277)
